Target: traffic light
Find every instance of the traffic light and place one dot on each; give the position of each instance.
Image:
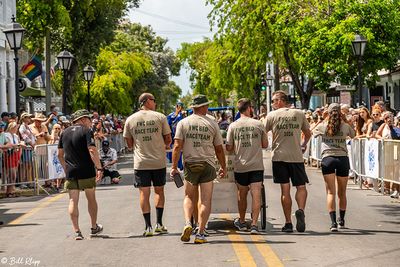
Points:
(263, 82)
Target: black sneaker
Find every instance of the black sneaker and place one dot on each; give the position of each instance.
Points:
(300, 223)
(78, 235)
(340, 223)
(288, 228)
(97, 230)
(334, 227)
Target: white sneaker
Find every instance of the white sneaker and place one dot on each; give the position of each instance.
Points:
(395, 194)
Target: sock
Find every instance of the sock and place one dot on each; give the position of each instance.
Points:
(332, 214)
(159, 212)
(147, 219)
(342, 213)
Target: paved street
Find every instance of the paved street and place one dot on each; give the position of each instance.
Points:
(38, 232)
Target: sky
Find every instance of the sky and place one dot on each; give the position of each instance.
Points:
(177, 20)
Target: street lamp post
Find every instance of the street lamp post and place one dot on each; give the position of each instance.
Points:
(14, 34)
(65, 60)
(358, 46)
(270, 81)
(88, 73)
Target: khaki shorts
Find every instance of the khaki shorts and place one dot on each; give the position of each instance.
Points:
(199, 172)
(80, 184)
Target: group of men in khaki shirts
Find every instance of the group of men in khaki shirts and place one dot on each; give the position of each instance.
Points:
(199, 139)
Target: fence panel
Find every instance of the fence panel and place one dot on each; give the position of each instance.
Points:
(391, 163)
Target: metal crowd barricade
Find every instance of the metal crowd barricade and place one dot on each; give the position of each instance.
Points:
(391, 164)
(16, 166)
(118, 142)
(314, 147)
(25, 165)
(307, 154)
(367, 161)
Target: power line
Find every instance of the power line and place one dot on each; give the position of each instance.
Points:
(171, 20)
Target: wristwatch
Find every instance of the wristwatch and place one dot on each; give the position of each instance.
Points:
(99, 169)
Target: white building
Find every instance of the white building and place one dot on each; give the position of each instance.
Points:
(7, 74)
(389, 81)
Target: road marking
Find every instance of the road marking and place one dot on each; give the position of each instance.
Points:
(266, 251)
(243, 253)
(35, 210)
(241, 250)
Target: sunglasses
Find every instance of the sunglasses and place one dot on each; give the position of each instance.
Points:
(376, 114)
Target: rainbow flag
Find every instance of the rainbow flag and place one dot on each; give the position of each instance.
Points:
(33, 68)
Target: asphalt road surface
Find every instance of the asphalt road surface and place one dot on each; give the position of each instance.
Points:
(38, 232)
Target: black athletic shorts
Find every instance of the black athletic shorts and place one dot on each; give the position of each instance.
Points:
(338, 165)
(111, 174)
(247, 178)
(283, 172)
(145, 178)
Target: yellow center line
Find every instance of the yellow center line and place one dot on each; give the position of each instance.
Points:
(266, 251)
(35, 210)
(241, 250)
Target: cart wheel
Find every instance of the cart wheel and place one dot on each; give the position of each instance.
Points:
(263, 211)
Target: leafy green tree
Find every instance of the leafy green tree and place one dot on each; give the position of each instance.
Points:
(312, 39)
(82, 27)
(168, 97)
(142, 39)
(116, 74)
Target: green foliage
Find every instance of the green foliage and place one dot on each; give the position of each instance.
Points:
(168, 97)
(311, 38)
(116, 74)
(133, 37)
(37, 16)
(82, 27)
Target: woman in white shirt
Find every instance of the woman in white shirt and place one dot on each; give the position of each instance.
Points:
(12, 158)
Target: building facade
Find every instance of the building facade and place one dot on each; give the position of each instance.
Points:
(7, 75)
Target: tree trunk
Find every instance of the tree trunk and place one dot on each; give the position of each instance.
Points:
(298, 79)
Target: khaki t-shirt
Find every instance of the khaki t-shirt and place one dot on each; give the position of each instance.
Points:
(200, 134)
(334, 145)
(147, 128)
(246, 135)
(286, 125)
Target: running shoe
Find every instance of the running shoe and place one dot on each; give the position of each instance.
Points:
(187, 230)
(254, 230)
(78, 235)
(334, 227)
(239, 225)
(97, 230)
(206, 233)
(288, 228)
(160, 229)
(196, 230)
(340, 223)
(200, 239)
(300, 222)
(148, 231)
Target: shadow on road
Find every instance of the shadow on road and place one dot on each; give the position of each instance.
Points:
(18, 225)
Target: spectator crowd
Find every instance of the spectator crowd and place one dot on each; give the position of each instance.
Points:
(19, 135)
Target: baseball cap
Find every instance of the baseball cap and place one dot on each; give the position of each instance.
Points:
(80, 114)
(105, 143)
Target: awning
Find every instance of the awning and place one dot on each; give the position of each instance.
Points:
(33, 92)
